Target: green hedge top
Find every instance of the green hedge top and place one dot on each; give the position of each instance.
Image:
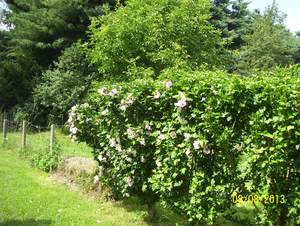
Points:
(181, 138)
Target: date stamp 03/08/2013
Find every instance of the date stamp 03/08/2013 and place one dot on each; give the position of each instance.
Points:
(266, 199)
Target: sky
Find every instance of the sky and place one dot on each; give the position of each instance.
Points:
(290, 7)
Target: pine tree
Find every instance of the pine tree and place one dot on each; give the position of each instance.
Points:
(233, 19)
(267, 45)
(39, 32)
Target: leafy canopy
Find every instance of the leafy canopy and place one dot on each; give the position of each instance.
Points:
(151, 36)
(66, 83)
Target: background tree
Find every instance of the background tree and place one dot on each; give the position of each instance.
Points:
(267, 45)
(39, 32)
(233, 18)
(151, 36)
(65, 84)
(18, 75)
(296, 41)
(48, 27)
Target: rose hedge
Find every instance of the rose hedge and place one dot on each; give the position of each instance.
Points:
(180, 139)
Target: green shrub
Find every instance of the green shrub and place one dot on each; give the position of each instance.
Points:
(179, 139)
(149, 36)
(43, 159)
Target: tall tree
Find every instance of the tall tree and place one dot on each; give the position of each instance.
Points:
(65, 84)
(267, 45)
(154, 35)
(18, 72)
(233, 18)
(48, 27)
(39, 32)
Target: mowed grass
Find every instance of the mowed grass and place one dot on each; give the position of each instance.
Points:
(30, 197)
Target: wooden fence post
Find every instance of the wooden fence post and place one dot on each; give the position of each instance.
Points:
(24, 135)
(4, 128)
(52, 134)
(100, 175)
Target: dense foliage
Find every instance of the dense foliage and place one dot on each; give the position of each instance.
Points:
(180, 138)
(233, 18)
(38, 32)
(150, 36)
(48, 27)
(65, 84)
(269, 45)
(140, 39)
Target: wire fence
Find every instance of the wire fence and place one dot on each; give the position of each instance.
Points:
(20, 135)
(26, 128)
(12, 127)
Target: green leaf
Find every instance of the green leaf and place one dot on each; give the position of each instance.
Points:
(183, 170)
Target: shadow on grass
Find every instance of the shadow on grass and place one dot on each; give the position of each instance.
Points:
(28, 222)
(165, 216)
(243, 215)
(239, 215)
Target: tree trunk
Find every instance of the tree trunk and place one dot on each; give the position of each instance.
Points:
(151, 211)
(186, 219)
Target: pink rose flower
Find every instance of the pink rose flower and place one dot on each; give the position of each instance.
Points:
(196, 144)
(73, 130)
(169, 84)
(143, 142)
(159, 164)
(104, 112)
(101, 91)
(112, 142)
(184, 122)
(161, 136)
(123, 107)
(206, 150)
(157, 95)
(188, 152)
(173, 135)
(148, 127)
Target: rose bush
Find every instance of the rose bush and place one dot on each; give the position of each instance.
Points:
(180, 138)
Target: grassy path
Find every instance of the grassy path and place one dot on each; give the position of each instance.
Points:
(29, 197)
